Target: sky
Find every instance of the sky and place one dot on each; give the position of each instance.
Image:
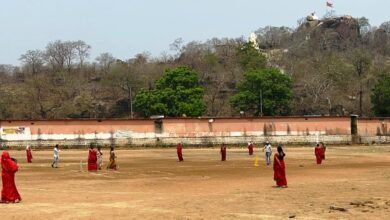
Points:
(125, 28)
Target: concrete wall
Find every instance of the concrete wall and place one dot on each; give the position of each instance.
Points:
(192, 131)
(374, 126)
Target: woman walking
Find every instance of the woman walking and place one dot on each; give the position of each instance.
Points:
(280, 168)
(9, 193)
(99, 155)
(92, 159)
(112, 164)
(29, 154)
(179, 151)
(223, 152)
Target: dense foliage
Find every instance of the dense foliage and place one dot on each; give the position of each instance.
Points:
(177, 93)
(381, 96)
(264, 92)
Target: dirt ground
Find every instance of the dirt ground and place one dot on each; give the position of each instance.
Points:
(151, 184)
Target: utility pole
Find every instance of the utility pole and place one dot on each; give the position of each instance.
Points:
(131, 102)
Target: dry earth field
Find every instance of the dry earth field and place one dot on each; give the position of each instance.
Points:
(151, 184)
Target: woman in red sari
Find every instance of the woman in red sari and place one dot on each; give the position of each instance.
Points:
(29, 154)
(223, 152)
(280, 168)
(9, 168)
(179, 150)
(318, 151)
(250, 148)
(323, 150)
(92, 159)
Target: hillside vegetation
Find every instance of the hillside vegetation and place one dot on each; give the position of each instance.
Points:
(333, 66)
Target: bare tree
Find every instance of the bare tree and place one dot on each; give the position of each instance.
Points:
(105, 61)
(33, 59)
(61, 54)
(385, 26)
(273, 37)
(361, 61)
(82, 50)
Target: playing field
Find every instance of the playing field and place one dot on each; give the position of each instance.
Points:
(151, 184)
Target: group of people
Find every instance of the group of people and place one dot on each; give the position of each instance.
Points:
(279, 165)
(9, 165)
(95, 159)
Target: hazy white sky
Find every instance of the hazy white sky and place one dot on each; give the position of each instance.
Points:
(127, 27)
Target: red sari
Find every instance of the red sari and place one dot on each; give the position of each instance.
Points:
(29, 155)
(279, 171)
(320, 154)
(92, 160)
(223, 153)
(9, 168)
(179, 150)
(250, 149)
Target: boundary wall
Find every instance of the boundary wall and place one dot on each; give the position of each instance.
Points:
(195, 131)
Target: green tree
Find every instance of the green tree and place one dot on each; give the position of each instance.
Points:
(250, 58)
(380, 97)
(361, 61)
(263, 92)
(177, 93)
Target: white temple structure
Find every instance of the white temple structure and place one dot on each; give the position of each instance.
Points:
(253, 39)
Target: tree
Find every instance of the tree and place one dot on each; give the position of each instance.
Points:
(33, 59)
(380, 97)
(273, 37)
(105, 61)
(250, 57)
(61, 54)
(266, 91)
(361, 61)
(385, 26)
(177, 93)
(123, 77)
(82, 50)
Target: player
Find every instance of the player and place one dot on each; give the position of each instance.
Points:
(9, 167)
(99, 155)
(29, 154)
(250, 148)
(268, 152)
(112, 163)
(280, 168)
(223, 152)
(56, 158)
(179, 150)
(92, 159)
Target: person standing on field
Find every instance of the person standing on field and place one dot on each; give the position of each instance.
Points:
(250, 148)
(323, 150)
(318, 152)
(92, 159)
(179, 150)
(9, 193)
(268, 152)
(29, 154)
(99, 155)
(280, 168)
(223, 152)
(56, 158)
(112, 163)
